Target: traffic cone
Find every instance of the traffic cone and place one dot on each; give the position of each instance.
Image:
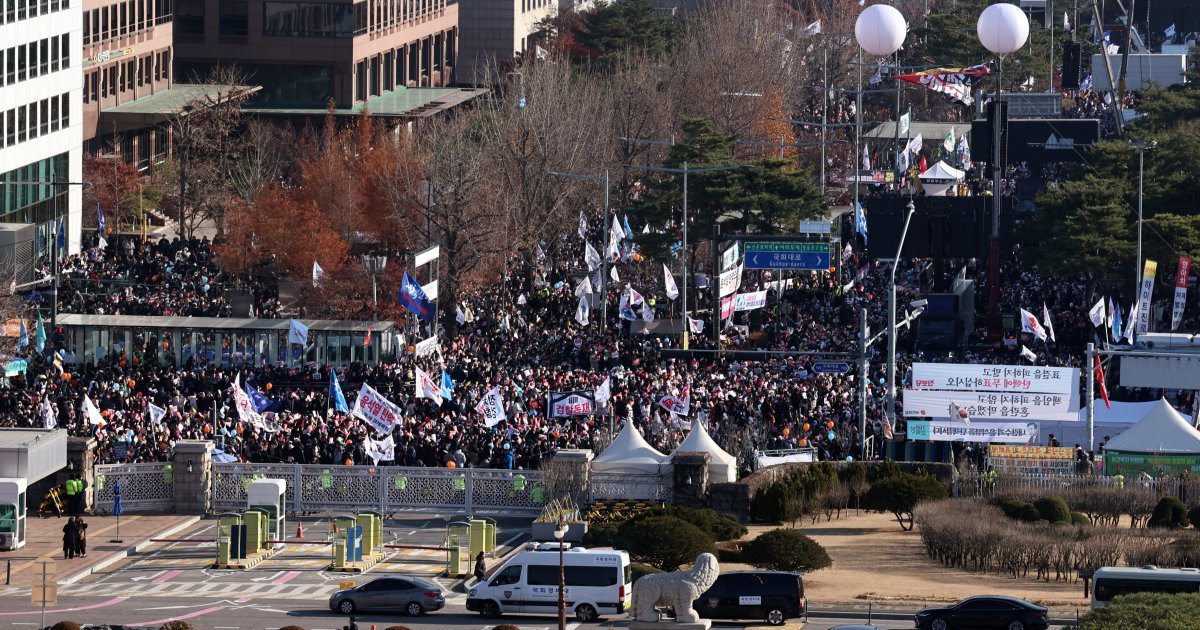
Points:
(299, 529)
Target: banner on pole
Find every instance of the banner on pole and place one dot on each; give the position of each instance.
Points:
(1146, 296)
(579, 402)
(970, 377)
(377, 411)
(991, 406)
(988, 432)
(1181, 280)
(750, 301)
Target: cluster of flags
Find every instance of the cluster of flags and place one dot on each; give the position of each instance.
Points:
(1031, 325)
(619, 248)
(957, 83)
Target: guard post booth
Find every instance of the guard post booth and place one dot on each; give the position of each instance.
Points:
(12, 514)
(268, 496)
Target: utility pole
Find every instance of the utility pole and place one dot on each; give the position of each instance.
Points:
(863, 332)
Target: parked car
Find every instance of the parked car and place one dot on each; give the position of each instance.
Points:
(413, 596)
(773, 596)
(985, 612)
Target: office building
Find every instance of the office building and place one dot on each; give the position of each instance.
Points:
(496, 31)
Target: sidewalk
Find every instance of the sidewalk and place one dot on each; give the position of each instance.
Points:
(45, 543)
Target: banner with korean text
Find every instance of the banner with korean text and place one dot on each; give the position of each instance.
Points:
(574, 403)
(995, 378)
(379, 412)
(1032, 460)
(988, 432)
(991, 405)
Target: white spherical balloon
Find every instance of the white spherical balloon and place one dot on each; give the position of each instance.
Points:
(880, 29)
(1003, 28)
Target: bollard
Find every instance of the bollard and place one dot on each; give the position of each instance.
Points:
(8, 573)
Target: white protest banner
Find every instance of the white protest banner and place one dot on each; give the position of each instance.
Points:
(727, 304)
(426, 347)
(991, 405)
(1002, 432)
(1181, 280)
(156, 413)
(972, 377)
(1146, 296)
(426, 387)
(750, 301)
(730, 281)
(573, 403)
(381, 450)
(379, 412)
(491, 407)
(730, 256)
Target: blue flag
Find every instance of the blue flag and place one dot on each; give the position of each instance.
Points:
(100, 219)
(41, 334)
(62, 233)
(860, 222)
(260, 402)
(628, 230)
(1118, 330)
(413, 298)
(447, 386)
(23, 340)
(335, 394)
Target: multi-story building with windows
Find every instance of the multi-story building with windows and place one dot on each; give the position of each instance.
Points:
(496, 31)
(40, 118)
(305, 53)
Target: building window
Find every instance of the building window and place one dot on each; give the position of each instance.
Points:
(44, 116)
(22, 64)
(234, 21)
(164, 10)
(307, 19)
(189, 17)
(44, 56)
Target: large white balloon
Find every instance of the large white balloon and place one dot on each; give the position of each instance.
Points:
(1003, 28)
(880, 29)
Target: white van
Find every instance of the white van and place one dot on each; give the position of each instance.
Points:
(598, 583)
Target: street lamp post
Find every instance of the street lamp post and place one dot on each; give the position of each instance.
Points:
(604, 228)
(1002, 29)
(1142, 146)
(891, 364)
(559, 532)
(374, 265)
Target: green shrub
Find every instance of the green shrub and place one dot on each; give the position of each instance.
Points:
(1078, 518)
(1053, 509)
(1010, 506)
(1027, 513)
(602, 535)
(785, 550)
(665, 541)
(1194, 517)
(65, 625)
(1145, 611)
(637, 570)
(1170, 512)
(900, 494)
(719, 526)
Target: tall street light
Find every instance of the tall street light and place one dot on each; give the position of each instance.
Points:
(604, 230)
(1141, 146)
(892, 333)
(683, 252)
(374, 265)
(1002, 29)
(559, 532)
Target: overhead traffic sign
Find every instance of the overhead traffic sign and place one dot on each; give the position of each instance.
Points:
(831, 367)
(784, 255)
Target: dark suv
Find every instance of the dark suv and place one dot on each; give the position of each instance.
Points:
(773, 596)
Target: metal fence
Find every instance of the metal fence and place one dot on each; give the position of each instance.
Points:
(1044, 483)
(624, 486)
(144, 487)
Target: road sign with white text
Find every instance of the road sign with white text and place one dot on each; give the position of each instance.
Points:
(831, 367)
(794, 256)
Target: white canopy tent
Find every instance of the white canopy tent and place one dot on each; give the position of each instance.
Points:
(1161, 430)
(938, 178)
(722, 467)
(630, 453)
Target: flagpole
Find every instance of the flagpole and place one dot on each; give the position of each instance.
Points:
(1091, 402)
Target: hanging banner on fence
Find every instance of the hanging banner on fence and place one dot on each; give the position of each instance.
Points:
(964, 377)
(426, 347)
(991, 406)
(727, 304)
(1181, 280)
(750, 301)
(730, 281)
(574, 403)
(379, 412)
(1146, 296)
(947, 431)
(1132, 464)
(1032, 460)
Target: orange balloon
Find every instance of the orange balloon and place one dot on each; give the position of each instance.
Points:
(829, 424)
(269, 388)
(66, 376)
(451, 464)
(787, 431)
(807, 426)
(132, 383)
(803, 442)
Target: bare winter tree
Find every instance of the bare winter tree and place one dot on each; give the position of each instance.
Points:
(266, 150)
(639, 107)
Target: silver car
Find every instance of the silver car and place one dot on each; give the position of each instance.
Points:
(414, 596)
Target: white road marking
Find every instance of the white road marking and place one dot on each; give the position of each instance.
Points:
(146, 577)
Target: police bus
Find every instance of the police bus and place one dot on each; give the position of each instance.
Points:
(1113, 581)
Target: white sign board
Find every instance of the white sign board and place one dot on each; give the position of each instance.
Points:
(750, 301)
(990, 432)
(991, 405)
(426, 256)
(431, 290)
(730, 281)
(426, 347)
(815, 227)
(966, 377)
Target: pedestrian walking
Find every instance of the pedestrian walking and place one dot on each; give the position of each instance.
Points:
(480, 567)
(81, 536)
(70, 538)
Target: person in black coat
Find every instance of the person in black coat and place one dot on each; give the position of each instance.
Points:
(70, 538)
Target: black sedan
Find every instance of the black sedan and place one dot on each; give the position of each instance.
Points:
(985, 612)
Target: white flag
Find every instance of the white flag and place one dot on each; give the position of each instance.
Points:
(1046, 319)
(1170, 32)
(696, 325)
(491, 407)
(616, 231)
(156, 413)
(604, 392)
(958, 413)
(49, 419)
(948, 143)
(521, 300)
(428, 388)
(91, 412)
(635, 298)
(582, 224)
(646, 229)
(614, 248)
(1030, 324)
(612, 273)
(381, 450)
(318, 273)
(914, 145)
(459, 315)
(1097, 313)
(584, 288)
(813, 29)
(1028, 354)
(1131, 325)
(297, 332)
(672, 289)
(592, 257)
(102, 244)
(245, 410)
(581, 311)
(540, 52)
(647, 314)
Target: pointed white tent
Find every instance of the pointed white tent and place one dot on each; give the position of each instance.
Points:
(939, 178)
(629, 453)
(722, 466)
(1161, 430)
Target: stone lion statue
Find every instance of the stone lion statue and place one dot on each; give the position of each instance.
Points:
(676, 590)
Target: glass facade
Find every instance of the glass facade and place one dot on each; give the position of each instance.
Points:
(308, 19)
(33, 203)
(283, 85)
